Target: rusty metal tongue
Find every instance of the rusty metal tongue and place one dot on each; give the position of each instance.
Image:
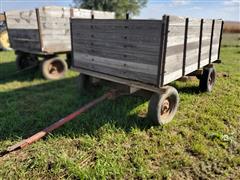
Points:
(57, 124)
(17, 146)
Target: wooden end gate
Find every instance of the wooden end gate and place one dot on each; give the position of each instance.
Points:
(148, 54)
(44, 33)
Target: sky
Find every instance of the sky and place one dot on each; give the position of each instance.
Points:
(155, 9)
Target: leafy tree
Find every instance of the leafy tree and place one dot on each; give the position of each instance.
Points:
(120, 7)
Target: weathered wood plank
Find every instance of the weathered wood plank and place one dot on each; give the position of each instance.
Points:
(24, 38)
(192, 49)
(123, 55)
(97, 26)
(103, 15)
(21, 19)
(82, 13)
(116, 46)
(190, 46)
(56, 47)
(174, 61)
(123, 73)
(151, 39)
(175, 45)
(55, 26)
(25, 46)
(98, 46)
(57, 12)
(24, 33)
(116, 79)
(216, 39)
(117, 63)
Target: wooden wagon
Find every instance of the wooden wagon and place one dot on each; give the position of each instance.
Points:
(148, 54)
(44, 33)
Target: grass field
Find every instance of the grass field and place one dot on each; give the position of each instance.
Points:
(114, 140)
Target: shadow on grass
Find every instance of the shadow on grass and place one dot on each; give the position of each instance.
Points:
(188, 89)
(26, 111)
(9, 73)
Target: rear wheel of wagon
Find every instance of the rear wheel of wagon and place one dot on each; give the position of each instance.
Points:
(24, 61)
(163, 106)
(207, 79)
(54, 68)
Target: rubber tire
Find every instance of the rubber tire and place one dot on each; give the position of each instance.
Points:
(24, 61)
(204, 85)
(45, 68)
(156, 102)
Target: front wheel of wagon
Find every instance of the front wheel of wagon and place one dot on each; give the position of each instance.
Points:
(24, 61)
(163, 106)
(54, 68)
(207, 80)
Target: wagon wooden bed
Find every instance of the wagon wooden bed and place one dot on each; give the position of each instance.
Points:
(45, 32)
(148, 54)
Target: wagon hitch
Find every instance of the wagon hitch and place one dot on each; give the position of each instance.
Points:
(112, 94)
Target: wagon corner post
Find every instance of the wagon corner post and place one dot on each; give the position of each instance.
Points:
(71, 29)
(39, 28)
(211, 41)
(163, 48)
(220, 39)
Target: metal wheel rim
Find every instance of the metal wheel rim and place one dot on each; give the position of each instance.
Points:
(55, 68)
(211, 79)
(166, 108)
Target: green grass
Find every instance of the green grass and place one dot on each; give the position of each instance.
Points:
(113, 139)
(231, 40)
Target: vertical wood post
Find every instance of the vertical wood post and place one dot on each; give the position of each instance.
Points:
(162, 52)
(185, 46)
(200, 44)
(211, 41)
(39, 29)
(71, 36)
(220, 40)
(9, 37)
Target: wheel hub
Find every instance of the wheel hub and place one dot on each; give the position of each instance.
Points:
(165, 109)
(211, 79)
(55, 68)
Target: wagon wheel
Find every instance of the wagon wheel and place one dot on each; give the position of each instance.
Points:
(24, 61)
(163, 106)
(54, 68)
(207, 79)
